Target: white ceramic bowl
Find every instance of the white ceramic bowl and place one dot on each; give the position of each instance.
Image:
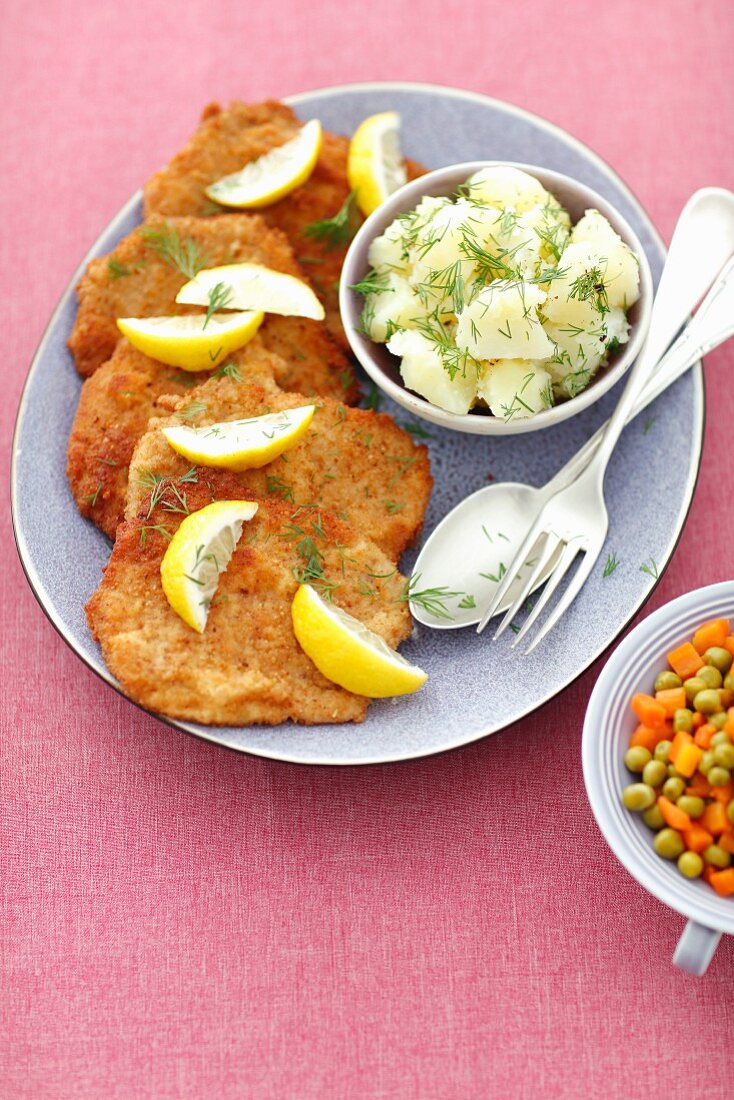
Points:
(607, 728)
(383, 367)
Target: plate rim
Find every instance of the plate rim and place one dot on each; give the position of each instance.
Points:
(202, 732)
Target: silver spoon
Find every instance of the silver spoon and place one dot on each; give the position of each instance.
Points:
(464, 553)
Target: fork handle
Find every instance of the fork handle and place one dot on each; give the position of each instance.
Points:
(712, 325)
(696, 253)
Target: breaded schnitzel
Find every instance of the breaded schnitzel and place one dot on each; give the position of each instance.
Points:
(117, 402)
(355, 463)
(226, 140)
(247, 666)
(143, 274)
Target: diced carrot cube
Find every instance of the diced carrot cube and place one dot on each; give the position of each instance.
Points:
(697, 838)
(708, 872)
(688, 759)
(713, 633)
(673, 815)
(723, 882)
(714, 818)
(672, 699)
(643, 736)
(685, 661)
(699, 785)
(703, 735)
(726, 841)
(679, 741)
(698, 720)
(723, 794)
(648, 710)
(729, 644)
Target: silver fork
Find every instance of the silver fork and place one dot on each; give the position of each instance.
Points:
(574, 520)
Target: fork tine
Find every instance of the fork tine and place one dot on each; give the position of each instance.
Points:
(568, 554)
(566, 599)
(552, 543)
(528, 544)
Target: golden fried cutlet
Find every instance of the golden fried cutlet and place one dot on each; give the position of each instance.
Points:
(140, 278)
(117, 402)
(229, 138)
(247, 666)
(355, 463)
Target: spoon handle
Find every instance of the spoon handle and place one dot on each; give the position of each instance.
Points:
(712, 325)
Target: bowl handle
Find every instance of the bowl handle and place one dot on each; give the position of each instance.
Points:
(696, 948)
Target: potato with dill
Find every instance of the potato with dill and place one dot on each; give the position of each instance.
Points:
(491, 299)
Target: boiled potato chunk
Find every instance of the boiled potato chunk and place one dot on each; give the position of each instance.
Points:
(502, 186)
(515, 388)
(622, 271)
(423, 371)
(501, 322)
(578, 296)
(387, 252)
(397, 306)
(579, 354)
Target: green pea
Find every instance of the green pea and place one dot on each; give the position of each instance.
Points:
(690, 864)
(711, 676)
(718, 777)
(683, 720)
(706, 763)
(693, 686)
(654, 773)
(673, 788)
(662, 751)
(718, 721)
(730, 811)
(638, 796)
(664, 681)
(691, 804)
(721, 737)
(636, 758)
(719, 657)
(674, 773)
(716, 856)
(653, 818)
(724, 755)
(668, 843)
(707, 701)
(729, 682)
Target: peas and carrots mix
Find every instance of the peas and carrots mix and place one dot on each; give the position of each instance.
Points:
(682, 752)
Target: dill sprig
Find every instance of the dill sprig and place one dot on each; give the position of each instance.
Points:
(432, 600)
(651, 569)
(228, 370)
(188, 412)
(339, 229)
(589, 287)
(219, 296)
(610, 565)
(183, 254)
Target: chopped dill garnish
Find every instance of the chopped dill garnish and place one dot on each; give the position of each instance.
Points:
(432, 600)
(415, 428)
(191, 410)
(116, 270)
(278, 487)
(393, 506)
(154, 527)
(373, 283)
(468, 601)
(339, 229)
(648, 424)
(499, 575)
(374, 398)
(219, 296)
(228, 370)
(93, 497)
(107, 461)
(184, 378)
(651, 569)
(610, 565)
(589, 287)
(183, 254)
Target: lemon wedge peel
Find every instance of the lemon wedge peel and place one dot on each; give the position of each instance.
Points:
(253, 287)
(199, 551)
(375, 165)
(187, 342)
(273, 175)
(241, 444)
(347, 652)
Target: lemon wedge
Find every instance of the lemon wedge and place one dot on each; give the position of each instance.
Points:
(252, 286)
(241, 444)
(276, 173)
(200, 550)
(347, 652)
(375, 165)
(186, 342)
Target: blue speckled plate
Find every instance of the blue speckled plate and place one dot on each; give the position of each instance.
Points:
(476, 687)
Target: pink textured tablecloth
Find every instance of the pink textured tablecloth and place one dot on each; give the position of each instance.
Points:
(181, 921)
